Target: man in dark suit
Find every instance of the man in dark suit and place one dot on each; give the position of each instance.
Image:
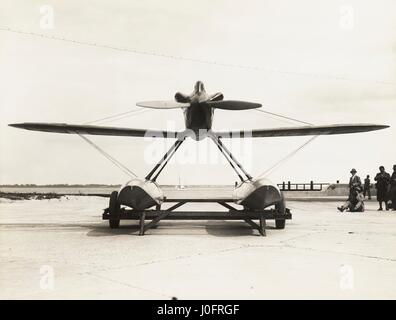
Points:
(382, 185)
(366, 189)
(393, 188)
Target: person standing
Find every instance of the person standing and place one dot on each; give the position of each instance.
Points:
(393, 188)
(366, 189)
(382, 185)
(354, 181)
(354, 184)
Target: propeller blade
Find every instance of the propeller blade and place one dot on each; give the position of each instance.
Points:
(216, 97)
(170, 104)
(233, 105)
(182, 98)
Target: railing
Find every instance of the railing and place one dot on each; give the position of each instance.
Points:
(311, 186)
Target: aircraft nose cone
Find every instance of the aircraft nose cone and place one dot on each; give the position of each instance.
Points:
(199, 86)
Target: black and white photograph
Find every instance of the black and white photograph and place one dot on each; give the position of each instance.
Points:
(197, 151)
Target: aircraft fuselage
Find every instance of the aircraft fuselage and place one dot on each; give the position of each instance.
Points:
(199, 116)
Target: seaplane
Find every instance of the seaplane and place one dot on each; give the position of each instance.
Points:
(254, 195)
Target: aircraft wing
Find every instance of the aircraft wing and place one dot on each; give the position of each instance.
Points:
(93, 130)
(302, 131)
(130, 132)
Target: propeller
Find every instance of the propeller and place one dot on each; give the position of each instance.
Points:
(233, 105)
(223, 104)
(199, 97)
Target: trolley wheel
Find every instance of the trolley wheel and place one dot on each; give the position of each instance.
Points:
(114, 208)
(281, 208)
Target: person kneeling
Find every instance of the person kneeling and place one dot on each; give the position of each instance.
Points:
(355, 202)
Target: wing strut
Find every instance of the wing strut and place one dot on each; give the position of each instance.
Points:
(165, 159)
(227, 154)
(229, 161)
(230, 158)
(282, 116)
(266, 172)
(118, 164)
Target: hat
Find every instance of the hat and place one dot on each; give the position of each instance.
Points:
(353, 171)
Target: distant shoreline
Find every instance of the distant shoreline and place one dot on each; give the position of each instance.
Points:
(117, 186)
(100, 185)
(60, 185)
(330, 192)
(56, 191)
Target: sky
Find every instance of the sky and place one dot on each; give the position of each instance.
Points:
(323, 62)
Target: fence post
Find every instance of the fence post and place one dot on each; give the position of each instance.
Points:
(311, 185)
(288, 185)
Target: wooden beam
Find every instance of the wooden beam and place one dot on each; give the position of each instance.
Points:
(225, 205)
(199, 200)
(254, 225)
(198, 215)
(142, 219)
(153, 222)
(262, 226)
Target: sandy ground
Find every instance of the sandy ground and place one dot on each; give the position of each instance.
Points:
(52, 249)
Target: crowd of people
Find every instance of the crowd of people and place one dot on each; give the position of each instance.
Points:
(386, 191)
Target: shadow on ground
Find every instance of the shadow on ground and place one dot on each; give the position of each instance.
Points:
(228, 229)
(213, 228)
(106, 231)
